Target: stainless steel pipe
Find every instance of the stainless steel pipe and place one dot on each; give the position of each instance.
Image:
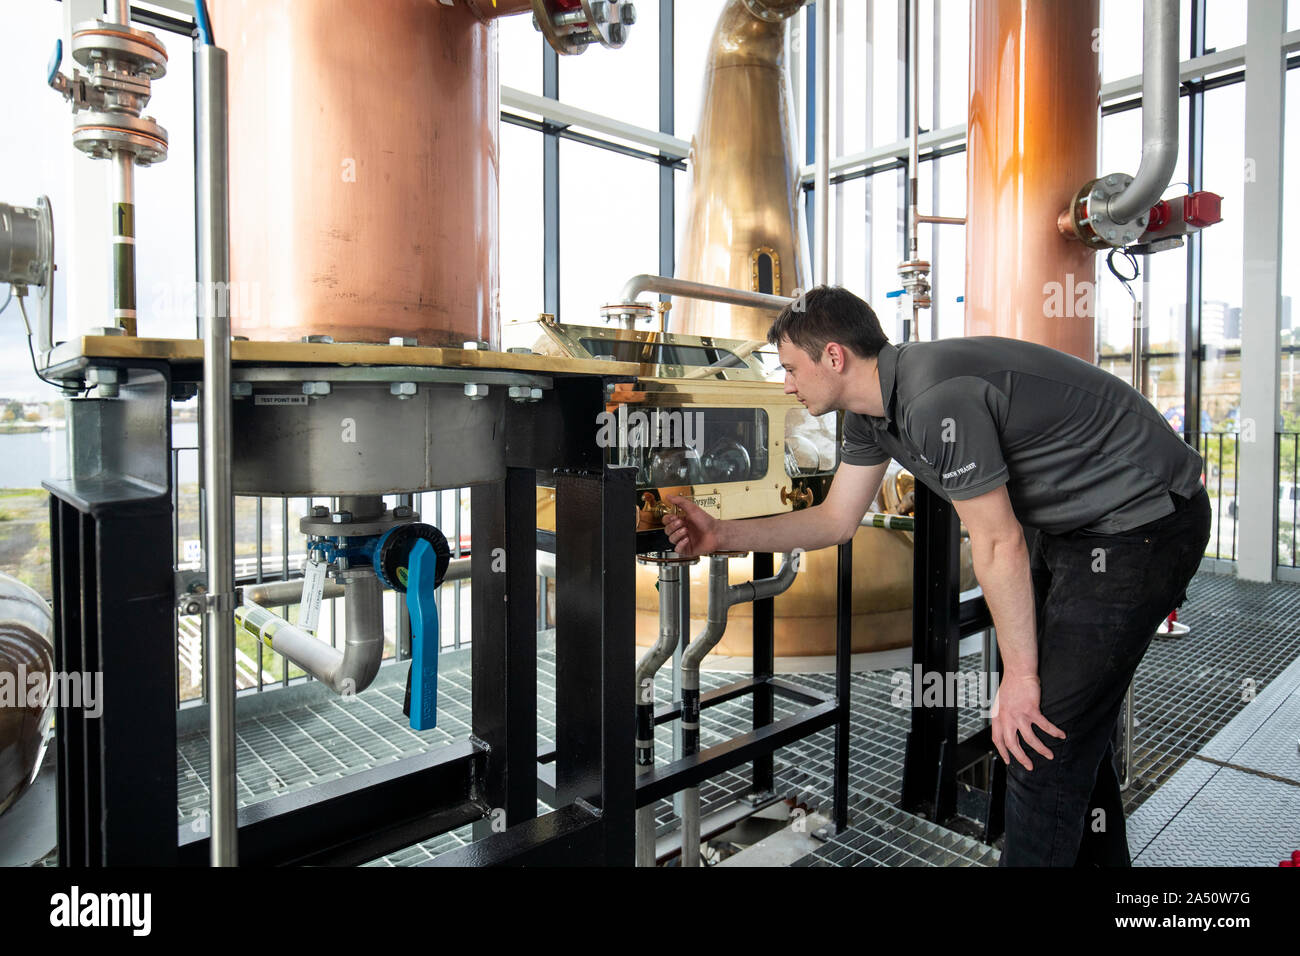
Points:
(721, 598)
(700, 290)
(1159, 112)
(214, 269)
(283, 593)
(670, 607)
(348, 671)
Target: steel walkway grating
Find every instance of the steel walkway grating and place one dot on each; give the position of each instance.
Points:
(1187, 690)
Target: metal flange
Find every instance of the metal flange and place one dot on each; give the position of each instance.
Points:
(100, 134)
(94, 41)
(570, 26)
(1088, 219)
(665, 557)
(328, 526)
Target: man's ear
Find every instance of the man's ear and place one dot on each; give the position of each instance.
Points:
(835, 352)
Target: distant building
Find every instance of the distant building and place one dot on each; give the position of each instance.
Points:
(1214, 314)
(1232, 324)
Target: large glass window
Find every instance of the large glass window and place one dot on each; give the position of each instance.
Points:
(35, 154)
(609, 227)
(165, 205)
(693, 25)
(1221, 272)
(1288, 518)
(520, 60)
(1225, 24)
(622, 83)
(520, 234)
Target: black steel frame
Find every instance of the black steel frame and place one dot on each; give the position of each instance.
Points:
(758, 746)
(117, 775)
(934, 757)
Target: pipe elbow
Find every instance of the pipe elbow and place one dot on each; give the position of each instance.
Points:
(363, 648)
(634, 286)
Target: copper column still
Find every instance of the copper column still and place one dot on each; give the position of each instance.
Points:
(744, 226)
(363, 169)
(745, 230)
(1035, 86)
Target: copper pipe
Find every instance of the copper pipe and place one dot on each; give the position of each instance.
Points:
(361, 208)
(942, 220)
(1034, 110)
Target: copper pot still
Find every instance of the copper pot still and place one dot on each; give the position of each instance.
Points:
(744, 226)
(363, 169)
(1035, 95)
(26, 650)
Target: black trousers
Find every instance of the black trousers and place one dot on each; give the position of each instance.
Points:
(1100, 599)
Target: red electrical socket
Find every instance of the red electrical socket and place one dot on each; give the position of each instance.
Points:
(1201, 209)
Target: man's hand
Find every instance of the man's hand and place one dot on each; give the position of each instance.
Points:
(694, 531)
(1015, 711)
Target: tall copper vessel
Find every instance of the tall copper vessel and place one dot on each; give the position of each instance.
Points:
(363, 169)
(1035, 89)
(743, 228)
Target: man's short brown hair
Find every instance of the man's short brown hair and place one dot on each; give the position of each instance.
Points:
(827, 314)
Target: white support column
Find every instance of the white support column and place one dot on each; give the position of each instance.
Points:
(1261, 292)
(83, 245)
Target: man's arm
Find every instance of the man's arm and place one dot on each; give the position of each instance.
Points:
(854, 487)
(1002, 566)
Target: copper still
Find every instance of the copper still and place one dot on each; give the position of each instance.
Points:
(1035, 85)
(745, 230)
(363, 169)
(26, 651)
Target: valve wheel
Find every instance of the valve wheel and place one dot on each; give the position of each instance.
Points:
(394, 552)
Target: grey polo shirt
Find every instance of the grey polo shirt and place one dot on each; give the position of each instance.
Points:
(1076, 447)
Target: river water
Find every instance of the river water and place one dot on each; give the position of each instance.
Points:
(28, 459)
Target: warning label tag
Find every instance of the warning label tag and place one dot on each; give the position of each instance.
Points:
(313, 588)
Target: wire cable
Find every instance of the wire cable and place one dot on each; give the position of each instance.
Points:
(30, 348)
(203, 22)
(1126, 281)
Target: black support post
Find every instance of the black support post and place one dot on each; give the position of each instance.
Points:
(764, 670)
(843, 680)
(503, 568)
(113, 599)
(595, 556)
(930, 764)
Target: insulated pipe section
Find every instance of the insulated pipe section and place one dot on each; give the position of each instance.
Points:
(670, 603)
(346, 672)
(721, 598)
(1159, 112)
(700, 290)
(214, 267)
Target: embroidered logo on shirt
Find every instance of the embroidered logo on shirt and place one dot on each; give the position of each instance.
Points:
(960, 471)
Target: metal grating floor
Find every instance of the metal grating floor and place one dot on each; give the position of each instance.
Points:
(1187, 690)
(1238, 801)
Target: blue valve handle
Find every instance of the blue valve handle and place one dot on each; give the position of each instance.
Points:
(56, 61)
(421, 703)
